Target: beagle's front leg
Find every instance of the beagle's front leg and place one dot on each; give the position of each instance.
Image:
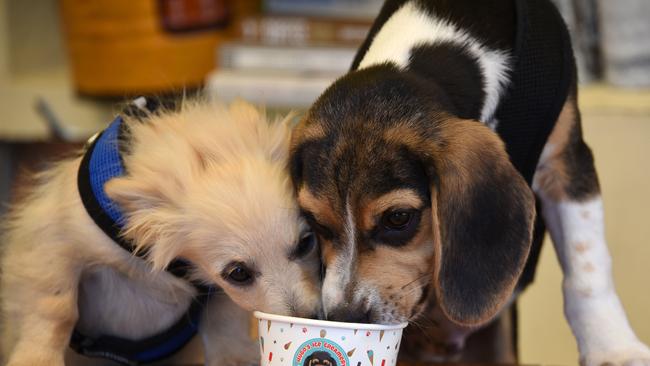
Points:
(572, 208)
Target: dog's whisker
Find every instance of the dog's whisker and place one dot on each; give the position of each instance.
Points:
(413, 290)
(416, 279)
(423, 330)
(426, 321)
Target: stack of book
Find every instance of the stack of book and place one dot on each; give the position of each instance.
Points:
(288, 55)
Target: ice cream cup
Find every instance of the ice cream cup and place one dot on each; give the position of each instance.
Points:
(289, 341)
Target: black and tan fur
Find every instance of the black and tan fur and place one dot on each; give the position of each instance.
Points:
(415, 135)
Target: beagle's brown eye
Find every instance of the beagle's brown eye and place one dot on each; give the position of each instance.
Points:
(397, 227)
(238, 274)
(396, 220)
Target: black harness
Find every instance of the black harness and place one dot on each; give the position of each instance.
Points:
(541, 79)
(101, 162)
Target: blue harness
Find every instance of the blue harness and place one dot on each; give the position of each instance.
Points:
(101, 162)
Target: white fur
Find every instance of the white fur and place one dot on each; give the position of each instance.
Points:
(207, 183)
(141, 103)
(410, 27)
(591, 304)
(333, 292)
(98, 316)
(339, 273)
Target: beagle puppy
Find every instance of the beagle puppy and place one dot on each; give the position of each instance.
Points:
(420, 171)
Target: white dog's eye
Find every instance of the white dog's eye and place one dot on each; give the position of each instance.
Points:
(305, 245)
(238, 274)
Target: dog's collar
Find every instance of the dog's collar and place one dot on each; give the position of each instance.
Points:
(102, 161)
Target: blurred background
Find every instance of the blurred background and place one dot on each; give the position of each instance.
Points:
(66, 66)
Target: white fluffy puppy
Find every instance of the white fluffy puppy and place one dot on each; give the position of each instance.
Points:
(206, 183)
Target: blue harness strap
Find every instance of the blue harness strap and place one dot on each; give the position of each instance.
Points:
(101, 162)
(151, 349)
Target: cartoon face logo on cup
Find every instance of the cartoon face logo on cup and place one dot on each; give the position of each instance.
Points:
(320, 358)
(320, 352)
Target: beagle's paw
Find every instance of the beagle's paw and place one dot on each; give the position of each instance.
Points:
(635, 355)
(603, 333)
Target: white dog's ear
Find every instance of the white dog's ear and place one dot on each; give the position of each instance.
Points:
(133, 195)
(150, 218)
(244, 111)
(273, 137)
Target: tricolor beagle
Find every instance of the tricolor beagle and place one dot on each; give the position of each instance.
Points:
(420, 171)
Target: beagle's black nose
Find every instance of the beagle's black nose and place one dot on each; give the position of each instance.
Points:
(352, 314)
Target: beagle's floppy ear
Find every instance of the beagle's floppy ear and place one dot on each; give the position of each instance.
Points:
(483, 214)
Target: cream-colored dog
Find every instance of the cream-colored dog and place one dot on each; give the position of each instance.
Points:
(206, 183)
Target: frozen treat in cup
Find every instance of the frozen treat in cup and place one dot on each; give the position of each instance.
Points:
(289, 341)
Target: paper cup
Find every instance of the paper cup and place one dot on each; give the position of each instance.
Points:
(288, 341)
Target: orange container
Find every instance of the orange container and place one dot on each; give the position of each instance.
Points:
(126, 47)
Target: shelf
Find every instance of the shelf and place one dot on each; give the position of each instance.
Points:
(41, 107)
